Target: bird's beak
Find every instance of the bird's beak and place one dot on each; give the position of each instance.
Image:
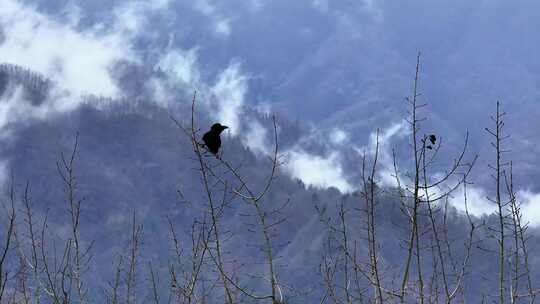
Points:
(224, 127)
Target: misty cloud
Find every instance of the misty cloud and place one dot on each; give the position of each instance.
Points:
(338, 136)
(60, 51)
(131, 17)
(181, 65)
(477, 201)
(530, 207)
(221, 24)
(388, 137)
(228, 96)
(14, 107)
(255, 137)
(317, 171)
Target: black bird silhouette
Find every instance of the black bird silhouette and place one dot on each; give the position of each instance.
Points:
(432, 139)
(211, 138)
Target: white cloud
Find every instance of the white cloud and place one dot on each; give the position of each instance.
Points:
(159, 91)
(479, 204)
(78, 61)
(220, 23)
(229, 92)
(181, 65)
(530, 207)
(226, 95)
(338, 136)
(317, 171)
(223, 27)
(13, 106)
(385, 162)
(477, 201)
(328, 171)
(398, 130)
(130, 17)
(255, 138)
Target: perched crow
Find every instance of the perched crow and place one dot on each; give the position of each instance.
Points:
(432, 139)
(211, 138)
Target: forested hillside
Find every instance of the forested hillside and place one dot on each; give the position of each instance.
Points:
(113, 201)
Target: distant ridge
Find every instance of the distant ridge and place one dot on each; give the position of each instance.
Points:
(36, 86)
